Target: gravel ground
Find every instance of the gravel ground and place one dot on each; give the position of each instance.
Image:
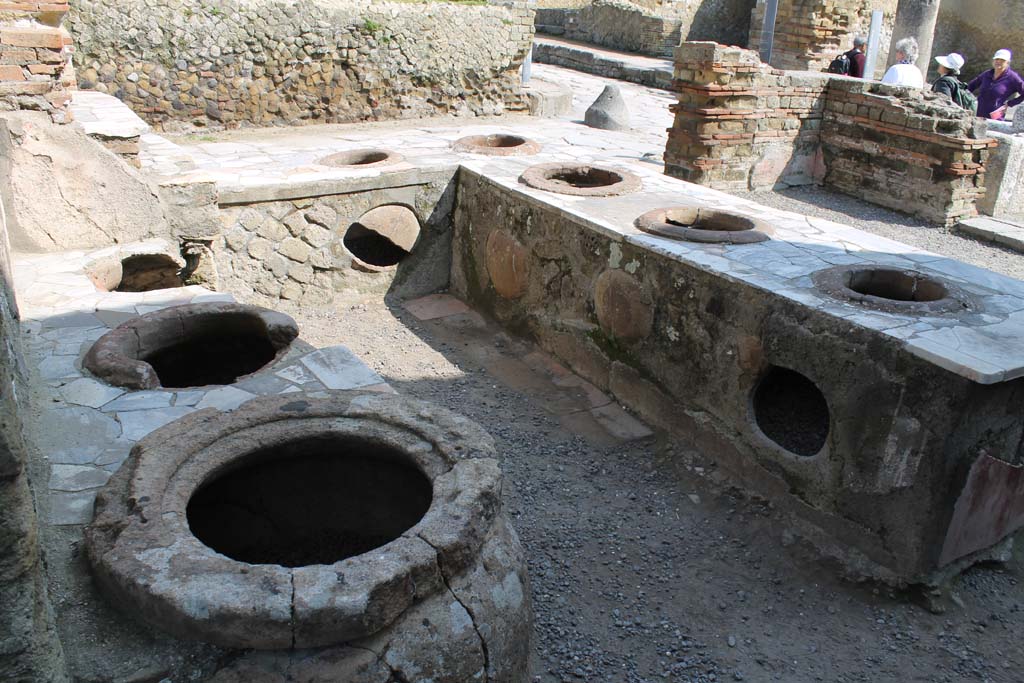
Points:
(645, 565)
(822, 203)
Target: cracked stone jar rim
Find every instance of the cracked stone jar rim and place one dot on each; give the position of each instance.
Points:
(370, 157)
(481, 144)
(545, 177)
(147, 560)
(677, 223)
(839, 283)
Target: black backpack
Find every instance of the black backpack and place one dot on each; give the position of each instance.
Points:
(961, 96)
(840, 65)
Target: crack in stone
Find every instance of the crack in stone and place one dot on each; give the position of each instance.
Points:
(293, 625)
(472, 617)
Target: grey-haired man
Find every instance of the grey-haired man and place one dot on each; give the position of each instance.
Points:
(858, 56)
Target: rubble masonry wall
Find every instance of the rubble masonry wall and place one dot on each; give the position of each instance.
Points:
(651, 27)
(271, 62)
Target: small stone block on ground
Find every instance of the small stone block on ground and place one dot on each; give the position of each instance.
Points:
(436, 306)
(1001, 231)
(620, 424)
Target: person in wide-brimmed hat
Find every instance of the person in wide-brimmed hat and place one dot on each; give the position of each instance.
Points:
(995, 87)
(948, 82)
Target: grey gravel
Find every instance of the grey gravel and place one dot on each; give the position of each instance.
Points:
(823, 203)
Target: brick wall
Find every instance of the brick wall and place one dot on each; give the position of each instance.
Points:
(35, 58)
(810, 33)
(742, 124)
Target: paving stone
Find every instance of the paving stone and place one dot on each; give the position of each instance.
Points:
(90, 393)
(77, 477)
(71, 508)
(113, 318)
(71, 319)
(115, 454)
(140, 400)
(225, 398)
(75, 435)
(188, 398)
(59, 367)
(296, 374)
(263, 384)
(435, 306)
(138, 423)
(337, 368)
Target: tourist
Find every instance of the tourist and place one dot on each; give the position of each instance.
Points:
(858, 56)
(904, 71)
(995, 87)
(948, 83)
(851, 62)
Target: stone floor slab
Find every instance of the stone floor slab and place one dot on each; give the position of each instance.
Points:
(71, 508)
(337, 368)
(224, 398)
(89, 393)
(71, 478)
(139, 423)
(140, 400)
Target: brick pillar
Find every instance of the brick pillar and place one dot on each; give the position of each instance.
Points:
(740, 124)
(35, 57)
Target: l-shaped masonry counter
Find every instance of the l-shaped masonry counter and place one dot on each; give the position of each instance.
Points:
(878, 424)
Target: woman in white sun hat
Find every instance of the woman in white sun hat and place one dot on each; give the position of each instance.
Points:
(996, 86)
(949, 70)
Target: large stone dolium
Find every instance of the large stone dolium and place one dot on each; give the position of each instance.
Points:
(191, 346)
(320, 530)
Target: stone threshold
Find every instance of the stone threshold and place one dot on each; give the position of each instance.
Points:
(1004, 231)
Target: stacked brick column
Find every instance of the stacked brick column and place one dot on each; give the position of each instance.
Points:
(35, 57)
(739, 123)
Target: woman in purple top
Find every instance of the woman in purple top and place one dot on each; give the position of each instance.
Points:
(995, 86)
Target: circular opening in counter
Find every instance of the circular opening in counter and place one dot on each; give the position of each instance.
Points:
(896, 285)
(361, 158)
(382, 237)
(791, 411)
(223, 350)
(146, 272)
(698, 224)
(581, 179)
(135, 273)
(498, 144)
(314, 500)
(894, 290)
